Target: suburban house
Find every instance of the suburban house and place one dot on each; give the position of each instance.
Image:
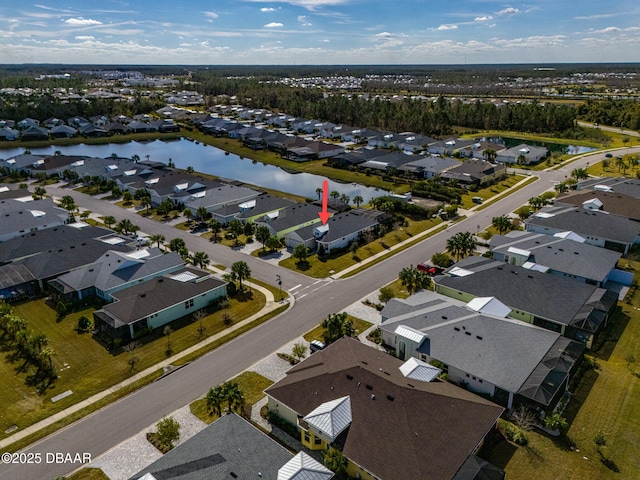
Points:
(230, 447)
(611, 202)
(578, 311)
(472, 343)
(356, 157)
(314, 150)
(22, 163)
(429, 167)
(390, 160)
(475, 172)
(558, 256)
(263, 204)
(26, 215)
(414, 143)
(34, 133)
(622, 185)
(63, 131)
(157, 302)
(9, 134)
(449, 147)
(482, 150)
(614, 232)
(522, 154)
(359, 398)
(339, 231)
(291, 218)
(29, 261)
(114, 271)
(215, 199)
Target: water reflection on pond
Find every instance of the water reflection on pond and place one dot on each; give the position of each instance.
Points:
(211, 160)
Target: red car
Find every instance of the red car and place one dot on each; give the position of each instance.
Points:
(429, 269)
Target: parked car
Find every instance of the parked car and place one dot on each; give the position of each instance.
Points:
(608, 155)
(316, 345)
(430, 270)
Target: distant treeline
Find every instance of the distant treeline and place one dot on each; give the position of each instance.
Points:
(617, 113)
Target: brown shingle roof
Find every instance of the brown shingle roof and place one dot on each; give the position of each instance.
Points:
(424, 430)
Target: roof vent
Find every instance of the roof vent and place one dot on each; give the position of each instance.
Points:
(350, 377)
(467, 333)
(365, 362)
(233, 474)
(456, 329)
(411, 385)
(142, 295)
(444, 317)
(369, 387)
(390, 397)
(373, 397)
(478, 337)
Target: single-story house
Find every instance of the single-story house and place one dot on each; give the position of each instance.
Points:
(475, 345)
(260, 206)
(359, 398)
(429, 167)
(288, 219)
(157, 302)
(599, 228)
(450, 146)
(576, 310)
(557, 256)
(612, 202)
(232, 447)
(474, 171)
(9, 134)
(622, 185)
(522, 154)
(25, 215)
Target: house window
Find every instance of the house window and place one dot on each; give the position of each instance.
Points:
(317, 440)
(306, 437)
(188, 303)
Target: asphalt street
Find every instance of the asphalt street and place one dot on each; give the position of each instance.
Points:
(114, 423)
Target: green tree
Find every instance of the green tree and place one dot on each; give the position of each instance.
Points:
(68, 203)
(202, 213)
(235, 228)
(233, 396)
(336, 326)
(334, 194)
(579, 174)
(502, 224)
(273, 243)
(441, 260)
(536, 203)
(215, 227)
(201, 259)
(177, 244)
(109, 221)
(299, 350)
(561, 187)
(39, 193)
(214, 400)
(249, 229)
(241, 271)
(335, 461)
(262, 234)
(386, 294)
(168, 432)
(158, 238)
(413, 279)
(358, 200)
(300, 252)
(461, 244)
(127, 197)
(190, 169)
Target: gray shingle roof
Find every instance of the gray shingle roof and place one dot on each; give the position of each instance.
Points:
(548, 296)
(586, 223)
(559, 254)
(141, 300)
(265, 203)
(230, 445)
(20, 217)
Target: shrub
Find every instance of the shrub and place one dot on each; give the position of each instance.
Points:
(555, 421)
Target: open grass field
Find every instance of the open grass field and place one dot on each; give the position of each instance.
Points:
(490, 191)
(607, 401)
(84, 366)
(252, 386)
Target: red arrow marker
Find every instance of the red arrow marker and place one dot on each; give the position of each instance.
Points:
(324, 214)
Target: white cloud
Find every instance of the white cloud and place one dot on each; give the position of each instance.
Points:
(210, 14)
(304, 21)
(508, 11)
(447, 27)
(325, 40)
(483, 18)
(274, 25)
(615, 30)
(267, 9)
(82, 21)
(85, 38)
(308, 4)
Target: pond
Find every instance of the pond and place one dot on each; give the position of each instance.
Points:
(510, 142)
(210, 160)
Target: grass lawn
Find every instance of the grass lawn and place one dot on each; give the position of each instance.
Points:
(252, 386)
(359, 325)
(597, 170)
(329, 264)
(91, 368)
(397, 289)
(606, 400)
(88, 474)
(490, 191)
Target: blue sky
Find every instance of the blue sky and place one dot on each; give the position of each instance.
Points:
(319, 31)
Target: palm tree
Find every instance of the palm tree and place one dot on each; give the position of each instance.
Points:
(461, 244)
(319, 192)
(334, 194)
(202, 213)
(158, 238)
(358, 200)
(190, 169)
(214, 400)
(126, 226)
(561, 187)
(502, 223)
(233, 396)
(145, 201)
(109, 221)
(536, 203)
(177, 244)
(39, 193)
(236, 229)
(201, 259)
(490, 154)
(68, 203)
(413, 279)
(241, 271)
(345, 199)
(215, 227)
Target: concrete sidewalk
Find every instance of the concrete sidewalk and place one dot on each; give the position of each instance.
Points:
(270, 306)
